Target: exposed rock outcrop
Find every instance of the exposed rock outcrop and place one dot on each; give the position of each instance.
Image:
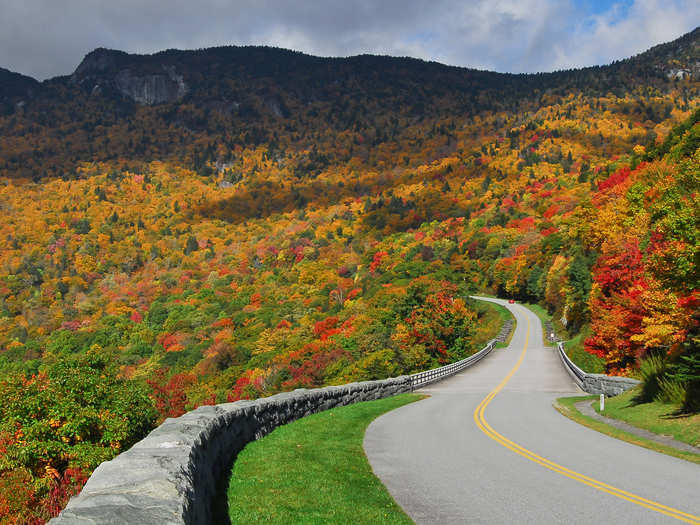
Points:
(151, 89)
(133, 76)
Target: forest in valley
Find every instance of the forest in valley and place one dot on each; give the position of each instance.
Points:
(299, 222)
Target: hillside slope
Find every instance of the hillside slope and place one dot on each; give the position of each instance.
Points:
(197, 106)
(194, 227)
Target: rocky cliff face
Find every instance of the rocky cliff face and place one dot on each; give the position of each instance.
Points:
(151, 89)
(105, 70)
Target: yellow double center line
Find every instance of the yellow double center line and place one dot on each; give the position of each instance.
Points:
(481, 422)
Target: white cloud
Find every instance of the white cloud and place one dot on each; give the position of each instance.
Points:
(607, 37)
(45, 37)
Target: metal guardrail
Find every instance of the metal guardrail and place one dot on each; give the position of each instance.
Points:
(574, 371)
(436, 374)
(595, 383)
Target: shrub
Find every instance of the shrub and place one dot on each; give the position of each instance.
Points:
(671, 391)
(687, 372)
(58, 425)
(652, 370)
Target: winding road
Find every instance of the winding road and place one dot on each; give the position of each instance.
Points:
(487, 446)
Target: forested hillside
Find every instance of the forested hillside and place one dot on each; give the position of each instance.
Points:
(189, 228)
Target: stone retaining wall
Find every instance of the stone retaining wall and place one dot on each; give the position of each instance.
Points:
(608, 385)
(507, 328)
(174, 475)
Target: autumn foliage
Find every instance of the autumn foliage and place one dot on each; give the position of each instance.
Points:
(311, 250)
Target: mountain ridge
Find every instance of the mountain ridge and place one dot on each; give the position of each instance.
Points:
(174, 104)
(690, 38)
(105, 60)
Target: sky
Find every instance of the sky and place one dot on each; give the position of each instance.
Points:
(45, 38)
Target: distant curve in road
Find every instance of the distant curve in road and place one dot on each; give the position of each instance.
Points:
(487, 446)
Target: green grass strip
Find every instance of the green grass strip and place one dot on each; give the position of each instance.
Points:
(566, 406)
(655, 416)
(504, 316)
(314, 471)
(543, 315)
(584, 360)
(573, 347)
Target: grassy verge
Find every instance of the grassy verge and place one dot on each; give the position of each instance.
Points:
(491, 319)
(314, 471)
(656, 416)
(504, 315)
(574, 346)
(492, 316)
(543, 315)
(585, 361)
(565, 405)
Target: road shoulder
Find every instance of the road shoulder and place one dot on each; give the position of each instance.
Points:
(579, 409)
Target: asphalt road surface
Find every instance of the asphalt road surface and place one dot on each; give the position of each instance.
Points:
(467, 455)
